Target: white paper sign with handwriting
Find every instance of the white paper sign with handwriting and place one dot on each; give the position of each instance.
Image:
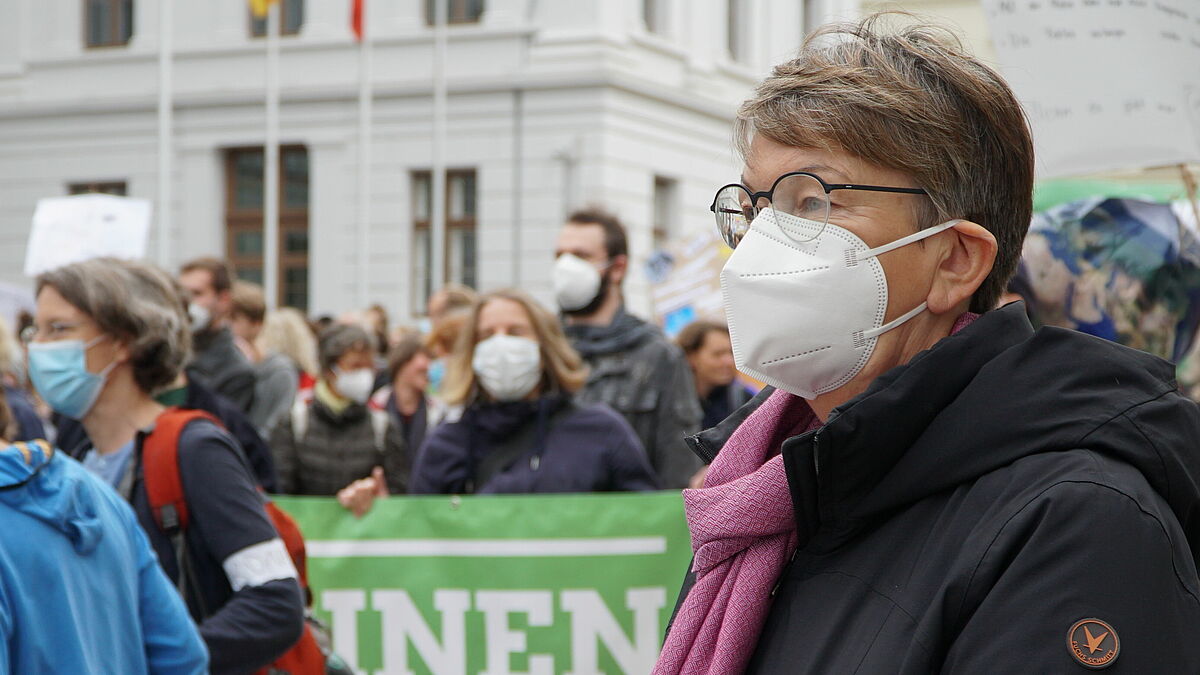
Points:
(1107, 84)
(81, 227)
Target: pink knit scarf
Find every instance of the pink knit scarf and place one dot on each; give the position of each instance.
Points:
(743, 532)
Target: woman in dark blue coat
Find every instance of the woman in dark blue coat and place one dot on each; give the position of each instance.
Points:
(514, 376)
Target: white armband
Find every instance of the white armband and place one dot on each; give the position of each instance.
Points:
(258, 564)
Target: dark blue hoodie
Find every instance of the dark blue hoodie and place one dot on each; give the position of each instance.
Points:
(80, 590)
(582, 448)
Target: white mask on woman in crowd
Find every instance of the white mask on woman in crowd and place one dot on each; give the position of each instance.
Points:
(508, 367)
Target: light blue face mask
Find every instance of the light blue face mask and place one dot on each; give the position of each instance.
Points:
(59, 372)
(437, 373)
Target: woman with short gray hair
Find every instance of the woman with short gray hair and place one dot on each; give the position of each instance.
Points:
(109, 334)
(928, 486)
(334, 441)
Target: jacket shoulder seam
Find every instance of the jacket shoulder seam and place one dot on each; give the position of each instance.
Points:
(1035, 498)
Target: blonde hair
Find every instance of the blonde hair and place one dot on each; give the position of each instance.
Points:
(11, 355)
(286, 332)
(910, 99)
(563, 371)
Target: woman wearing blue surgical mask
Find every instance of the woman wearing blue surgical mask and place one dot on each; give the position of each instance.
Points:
(109, 334)
(515, 375)
(335, 441)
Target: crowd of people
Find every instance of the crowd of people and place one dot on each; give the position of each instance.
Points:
(926, 483)
(493, 393)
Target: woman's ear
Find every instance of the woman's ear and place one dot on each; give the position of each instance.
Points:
(965, 261)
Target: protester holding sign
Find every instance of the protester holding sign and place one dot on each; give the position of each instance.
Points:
(521, 429)
(933, 487)
(109, 334)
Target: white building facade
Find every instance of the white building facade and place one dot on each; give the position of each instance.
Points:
(551, 105)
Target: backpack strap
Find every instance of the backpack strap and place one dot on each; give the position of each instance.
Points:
(299, 420)
(379, 425)
(164, 487)
(160, 468)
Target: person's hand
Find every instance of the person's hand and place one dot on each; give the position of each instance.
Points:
(697, 480)
(359, 496)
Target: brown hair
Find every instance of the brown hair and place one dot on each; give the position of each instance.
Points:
(249, 301)
(692, 337)
(615, 241)
(220, 271)
(910, 99)
(405, 350)
(562, 368)
(135, 303)
(458, 298)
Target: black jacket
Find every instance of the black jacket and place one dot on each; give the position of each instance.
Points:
(971, 507)
(636, 371)
(222, 367)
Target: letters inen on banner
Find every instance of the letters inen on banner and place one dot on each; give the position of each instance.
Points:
(562, 584)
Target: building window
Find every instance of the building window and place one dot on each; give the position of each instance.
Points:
(457, 11)
(244, 243)
(653, 16)
(663, 228)
(104, 187)
(460, 249)
(109, 23)
(291, 19)
(735, 36)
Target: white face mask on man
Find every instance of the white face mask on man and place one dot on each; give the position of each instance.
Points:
(576, 282)
(804, 315)
(508, 366)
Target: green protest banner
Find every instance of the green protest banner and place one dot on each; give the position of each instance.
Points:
(574, 584)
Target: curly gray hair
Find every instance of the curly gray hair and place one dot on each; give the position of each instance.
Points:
(135, 303)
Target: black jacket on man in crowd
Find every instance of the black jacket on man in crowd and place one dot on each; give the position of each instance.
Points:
(1007, 502)
(221, 366)
(636, 371)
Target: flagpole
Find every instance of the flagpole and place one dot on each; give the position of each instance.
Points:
(165, 130)
(364, 158)
(271, 163)
(438, 215)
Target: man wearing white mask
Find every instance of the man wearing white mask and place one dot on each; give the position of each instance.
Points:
(217, 363)
(634, 368)
(335, 440)
(933, 486)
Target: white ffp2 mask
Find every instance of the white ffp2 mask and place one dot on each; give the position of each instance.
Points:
(356, 384)
(804, 316)
(508, 367)
(576, 282)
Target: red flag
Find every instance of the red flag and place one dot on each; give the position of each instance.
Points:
(356, 18)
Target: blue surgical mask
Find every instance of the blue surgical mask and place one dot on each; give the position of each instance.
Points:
(59, 372)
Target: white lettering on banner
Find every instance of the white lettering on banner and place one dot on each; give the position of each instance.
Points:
(591, 622)
(344, 606)
(402, 623)
(501, 640)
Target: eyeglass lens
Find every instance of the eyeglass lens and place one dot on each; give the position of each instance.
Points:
(798, 195)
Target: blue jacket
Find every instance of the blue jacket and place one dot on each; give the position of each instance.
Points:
(80, 589)
(584, 448)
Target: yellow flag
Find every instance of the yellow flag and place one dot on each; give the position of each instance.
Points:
(259, 7)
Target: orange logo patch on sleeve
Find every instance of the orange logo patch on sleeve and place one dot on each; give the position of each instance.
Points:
(1093, 643)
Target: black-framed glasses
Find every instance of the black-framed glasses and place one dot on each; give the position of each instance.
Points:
(798, 193)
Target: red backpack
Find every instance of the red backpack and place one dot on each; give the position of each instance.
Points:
(160, 467)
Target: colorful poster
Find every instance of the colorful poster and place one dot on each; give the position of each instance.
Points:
(505, 584)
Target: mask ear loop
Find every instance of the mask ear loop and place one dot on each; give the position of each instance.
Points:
(880, 250)
(853, 256)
